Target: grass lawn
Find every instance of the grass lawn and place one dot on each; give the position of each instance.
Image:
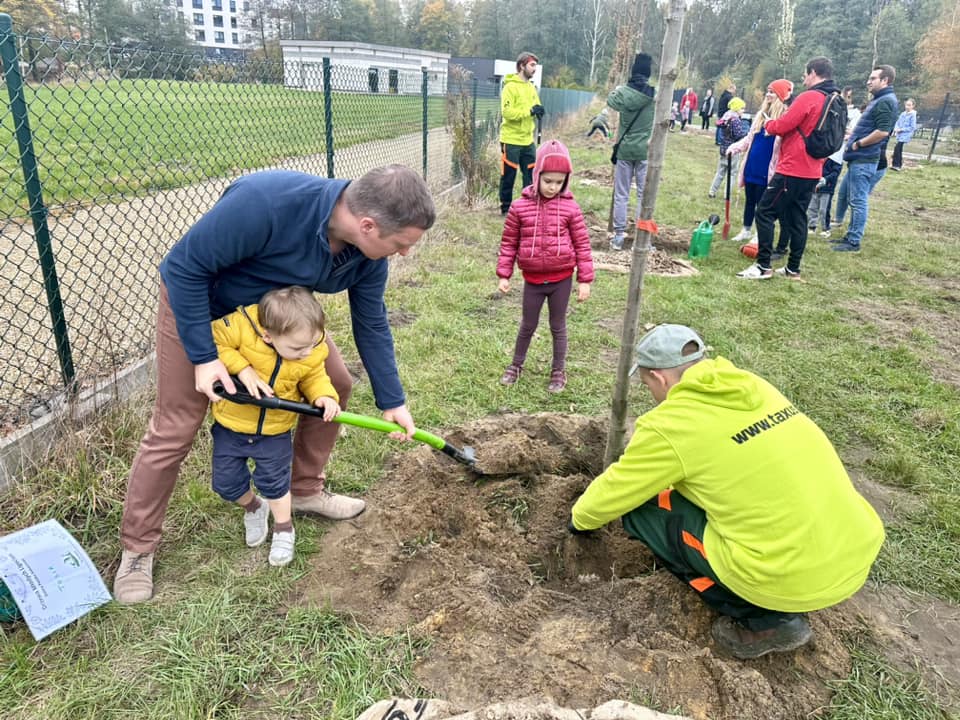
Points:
(105, 139)
(863, 345)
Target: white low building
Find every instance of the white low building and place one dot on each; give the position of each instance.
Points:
(363, 67)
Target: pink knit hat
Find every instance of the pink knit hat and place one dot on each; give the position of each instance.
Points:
(781, 88)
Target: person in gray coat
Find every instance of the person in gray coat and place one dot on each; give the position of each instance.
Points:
(634, 102)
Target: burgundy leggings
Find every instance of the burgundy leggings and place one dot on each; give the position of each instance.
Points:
(557, 296)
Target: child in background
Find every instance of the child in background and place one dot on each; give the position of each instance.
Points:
(600, 122)
(275, 348)
(760, 152)
(819, 209)
(674, 116)
(903, 132)
(546, 236)
(733, 129)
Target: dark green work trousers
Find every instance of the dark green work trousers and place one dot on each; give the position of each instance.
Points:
(672, 527)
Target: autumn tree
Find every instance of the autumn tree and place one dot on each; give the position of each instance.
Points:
(939, 55)
(439, 27)
(36, 16)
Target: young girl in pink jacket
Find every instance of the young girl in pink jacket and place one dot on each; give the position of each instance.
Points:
(546, 236)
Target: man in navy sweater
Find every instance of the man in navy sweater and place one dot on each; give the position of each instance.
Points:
(270, 229)
(865, 146)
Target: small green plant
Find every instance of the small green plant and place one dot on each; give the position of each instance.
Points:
(409, 548)
(515, 506)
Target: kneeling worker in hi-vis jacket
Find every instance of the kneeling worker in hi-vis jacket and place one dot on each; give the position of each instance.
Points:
(738, 494)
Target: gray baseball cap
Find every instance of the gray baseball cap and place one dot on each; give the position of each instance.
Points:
(662, 348)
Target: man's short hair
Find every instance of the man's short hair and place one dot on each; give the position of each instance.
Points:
(821, 67)
(667, 346)
(887, 73)
(284, 310)
(394, 196)
(525, 57)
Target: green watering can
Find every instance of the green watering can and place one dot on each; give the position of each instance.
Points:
(702, 237)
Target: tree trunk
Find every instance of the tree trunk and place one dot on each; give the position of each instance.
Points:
(616, 439)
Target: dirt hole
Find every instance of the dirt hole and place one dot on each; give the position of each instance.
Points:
(513, 606)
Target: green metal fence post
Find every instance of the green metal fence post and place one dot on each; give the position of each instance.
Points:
(423, 92)
(38, 210)
(328, 115)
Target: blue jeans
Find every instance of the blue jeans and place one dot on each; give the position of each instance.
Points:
(854, 190)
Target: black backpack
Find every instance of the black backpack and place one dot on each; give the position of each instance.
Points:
(827, 136)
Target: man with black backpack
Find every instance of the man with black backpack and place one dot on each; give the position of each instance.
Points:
(810, 131)
(865, 146)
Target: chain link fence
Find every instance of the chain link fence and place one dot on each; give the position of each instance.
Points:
(110, 153)
(937, 136)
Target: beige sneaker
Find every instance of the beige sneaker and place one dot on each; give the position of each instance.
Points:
(329, 505)
(134, 581)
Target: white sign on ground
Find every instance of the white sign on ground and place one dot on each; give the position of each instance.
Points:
(51, 578)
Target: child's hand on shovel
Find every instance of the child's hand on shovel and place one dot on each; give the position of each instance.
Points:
(252, 382)
(331, 408)
(401, 416)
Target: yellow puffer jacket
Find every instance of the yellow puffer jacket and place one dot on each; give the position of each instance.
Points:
(240, 344)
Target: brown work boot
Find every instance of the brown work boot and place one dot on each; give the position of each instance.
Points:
(134, 580)
(329, 505)
(737, 640)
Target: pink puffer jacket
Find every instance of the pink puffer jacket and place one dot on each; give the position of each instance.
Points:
(548, 239)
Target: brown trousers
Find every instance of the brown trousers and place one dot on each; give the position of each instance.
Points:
(177, 416)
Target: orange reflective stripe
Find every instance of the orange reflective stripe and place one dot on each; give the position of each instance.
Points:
(702, 583)
(693, 542)
(663, 500)
(648, 225)
(530, 165)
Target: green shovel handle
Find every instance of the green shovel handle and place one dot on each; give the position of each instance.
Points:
(373, 423)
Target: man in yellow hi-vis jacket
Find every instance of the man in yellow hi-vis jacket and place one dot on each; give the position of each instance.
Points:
(521, 109)
(739, 494)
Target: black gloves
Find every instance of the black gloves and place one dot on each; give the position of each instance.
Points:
(571, 528)
(537, 111)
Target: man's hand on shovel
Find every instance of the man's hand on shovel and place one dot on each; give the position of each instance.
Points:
(401, 416)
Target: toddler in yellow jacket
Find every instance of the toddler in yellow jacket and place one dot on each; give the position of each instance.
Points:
(276, 348)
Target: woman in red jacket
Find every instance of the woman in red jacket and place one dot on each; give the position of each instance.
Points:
(688, 108)
(546, 236)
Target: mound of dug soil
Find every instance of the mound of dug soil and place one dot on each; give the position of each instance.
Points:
(516, 607)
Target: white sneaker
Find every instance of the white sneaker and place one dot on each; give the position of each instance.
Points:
(255, 523)
(745, 235)
(616, 242)
(755, 272)
(826, 234)
(281, 548)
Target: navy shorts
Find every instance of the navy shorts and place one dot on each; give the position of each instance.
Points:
(272, 455)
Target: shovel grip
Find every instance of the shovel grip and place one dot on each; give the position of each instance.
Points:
(242, 397)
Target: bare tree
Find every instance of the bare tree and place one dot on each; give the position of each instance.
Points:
(786, 40)
(880, 7)
(596, 35)
(616, 439)
(629, 19)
